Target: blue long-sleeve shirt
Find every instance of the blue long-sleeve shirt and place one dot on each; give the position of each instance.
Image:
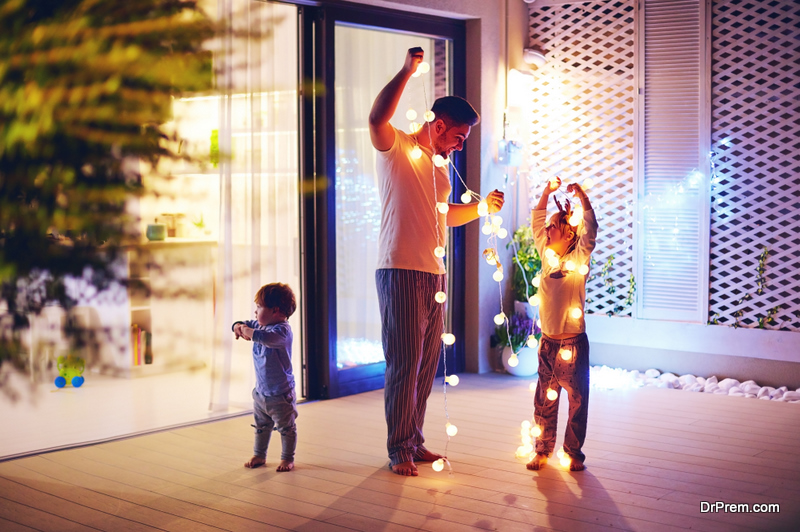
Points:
(272, 357)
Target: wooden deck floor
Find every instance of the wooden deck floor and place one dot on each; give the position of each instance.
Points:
(652, 456)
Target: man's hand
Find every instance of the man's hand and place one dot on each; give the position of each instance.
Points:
(413, 59)
(495, 201)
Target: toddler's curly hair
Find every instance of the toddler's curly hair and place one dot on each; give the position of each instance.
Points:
(277, 295)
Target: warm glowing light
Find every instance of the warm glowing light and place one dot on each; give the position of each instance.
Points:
(532, 342)
(549, 253)
(429, 116)
(499, 318)
(565, 461)
(553, 184)
(569, 265)
(416, 152)
(566, 354)
(498, 276)
(583, 270)
(552, 394)
(513, 361)
(534, 300)
(439, 251)
(574, 220)
(448, 338)
(483, 208)
(440, 297)
(490, 260)
(536, 431)
(466, 197)
(438, 465)
(414, 127)
(560, 453)
(442, 207)
(536, 281)
(452, 430)
(452, 380)
(438, 160)
(526, 439)
(497, 220)
(553, 262)
(576, 313)
(411, 114)
(539, 323)
(525, 425)
(423, 68)
(486, 229)
(588, 183)
(532, 386)
(502, 233)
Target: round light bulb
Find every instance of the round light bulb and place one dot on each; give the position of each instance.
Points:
(513, 361)
(532, 386)
(499, 319)
(452, 430)
(565, 461)
(483, 209)
(452, 380)
(534, 300)
(539, 323)
(576, 313)
(569, 265)
(532, 342)
(414, 127)
(502, 233)
(466, 197)
(486, 229)
(448, 338)
(560, 453)
(429, 116)
(440, 297)
(439, 251)
(553, 262)
(416, 152)
(583, 270)
(536, 281)
(536, 431)
(521, 452)
(526, 438)
(438, 160)
(566, 354)
(553, 184)
(423, 68)
(549, 253)
(552, 394)
(438, 465)
(497, 220)
(588, 183)
(411, 114)
(574, 221)
(497, 276)
(442, 207)
(525, 425)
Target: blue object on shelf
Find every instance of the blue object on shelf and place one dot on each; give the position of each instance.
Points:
(60, 382)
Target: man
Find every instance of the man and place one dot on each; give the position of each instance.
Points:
(409, 272)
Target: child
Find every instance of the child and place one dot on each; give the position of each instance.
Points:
(564, 348)
(274, 402)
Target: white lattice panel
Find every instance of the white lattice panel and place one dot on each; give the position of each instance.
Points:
(756, 136)
(583, 124)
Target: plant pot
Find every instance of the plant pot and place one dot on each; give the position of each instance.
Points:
(528, 362)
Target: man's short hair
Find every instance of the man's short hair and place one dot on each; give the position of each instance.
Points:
(279, 296)
(455, 110)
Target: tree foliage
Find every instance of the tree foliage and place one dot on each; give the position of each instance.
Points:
(84, 88)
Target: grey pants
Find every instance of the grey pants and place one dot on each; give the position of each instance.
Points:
(573, 376)
(275, 412)
(412, 323)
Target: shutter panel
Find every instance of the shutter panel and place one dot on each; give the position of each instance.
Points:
(673, 199)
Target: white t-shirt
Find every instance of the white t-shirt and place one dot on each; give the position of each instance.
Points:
(411, 226)
(561, 290)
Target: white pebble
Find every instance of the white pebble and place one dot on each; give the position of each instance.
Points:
(711, 388)
(688, 379)
(791, 396)
(701, 380)
(750, 395)
(765, 397)
(652, 373)
(697, 387)
(735, 389)
(747, 383)
(737, 393)
(766, 391)
(720, 391)
(668, 377)
(713, 379)
(727, 384)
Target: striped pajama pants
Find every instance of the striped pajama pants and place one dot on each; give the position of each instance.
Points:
(412, 326)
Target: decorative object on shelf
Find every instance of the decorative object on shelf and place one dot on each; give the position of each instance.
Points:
(70, 371)
(520, 341)
(156, 231)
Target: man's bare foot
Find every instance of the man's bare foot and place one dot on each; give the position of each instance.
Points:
(256, 461)
(538, 461)
(407, 469)
(285, 465)
(427, 456)
(576, 465)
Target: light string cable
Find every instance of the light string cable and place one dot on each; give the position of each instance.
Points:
(441, 295)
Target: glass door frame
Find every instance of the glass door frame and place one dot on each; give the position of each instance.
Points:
(323, 379)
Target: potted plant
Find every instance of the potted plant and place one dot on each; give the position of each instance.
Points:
(526, 266)
(515, 338)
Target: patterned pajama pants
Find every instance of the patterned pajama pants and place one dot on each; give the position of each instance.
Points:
(412, 325)
(573, 376)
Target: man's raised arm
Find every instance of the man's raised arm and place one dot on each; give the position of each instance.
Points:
(380, 131)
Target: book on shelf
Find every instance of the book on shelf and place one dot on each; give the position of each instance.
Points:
(141, 346)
